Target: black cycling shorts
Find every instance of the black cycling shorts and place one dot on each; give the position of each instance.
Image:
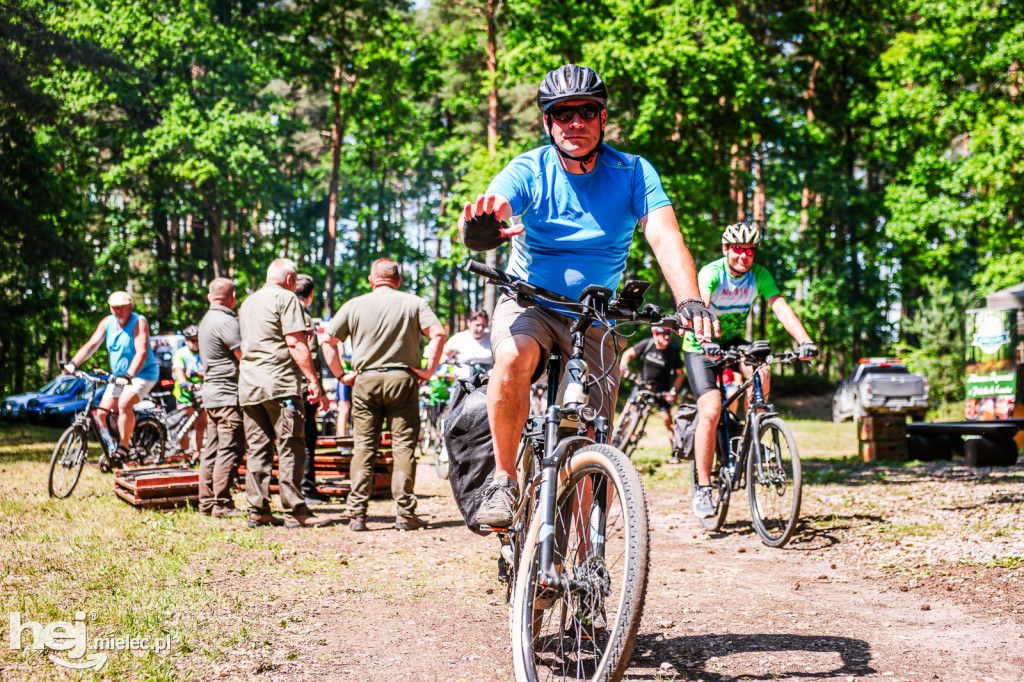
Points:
(699, 372)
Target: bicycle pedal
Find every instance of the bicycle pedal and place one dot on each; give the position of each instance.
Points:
(494, 529)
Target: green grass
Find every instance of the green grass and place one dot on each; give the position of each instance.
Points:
(132, 572)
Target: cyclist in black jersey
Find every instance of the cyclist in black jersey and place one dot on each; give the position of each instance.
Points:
(661, 367)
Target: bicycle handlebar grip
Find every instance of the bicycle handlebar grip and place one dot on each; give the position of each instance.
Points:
(486, 271)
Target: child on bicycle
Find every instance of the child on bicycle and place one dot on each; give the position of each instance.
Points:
(187, 368)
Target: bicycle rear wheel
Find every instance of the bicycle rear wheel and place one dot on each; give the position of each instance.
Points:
(721, 484)
(148, 442)
(585, 628)
(774, 483)
(67, 461)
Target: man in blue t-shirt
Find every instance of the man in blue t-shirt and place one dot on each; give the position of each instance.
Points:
(132, 364)
(575, 205)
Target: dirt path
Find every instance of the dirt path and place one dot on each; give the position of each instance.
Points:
(838, 604)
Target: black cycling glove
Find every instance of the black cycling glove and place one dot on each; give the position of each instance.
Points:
(807, 350)
(690, 309)
(483, 232)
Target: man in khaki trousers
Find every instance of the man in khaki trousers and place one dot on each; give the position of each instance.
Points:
(275, 357)
(386, 326)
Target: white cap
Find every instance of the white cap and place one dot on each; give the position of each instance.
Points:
(119, 298)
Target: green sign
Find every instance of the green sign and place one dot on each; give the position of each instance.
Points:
(991, 363)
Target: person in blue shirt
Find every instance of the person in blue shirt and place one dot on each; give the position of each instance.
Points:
(575, 204)
(132, 363)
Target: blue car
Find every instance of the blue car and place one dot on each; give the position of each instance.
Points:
(58, 407)
(14, 407)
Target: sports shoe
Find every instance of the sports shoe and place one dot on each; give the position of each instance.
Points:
(225, 512)
(497, 507)
(703, 507)
(358, 524)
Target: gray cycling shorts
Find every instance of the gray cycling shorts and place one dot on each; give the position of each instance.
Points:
(551, 330)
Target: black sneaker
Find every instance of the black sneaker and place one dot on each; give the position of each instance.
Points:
(498, 504)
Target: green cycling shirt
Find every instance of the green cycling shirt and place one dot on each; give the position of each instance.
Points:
(730, 298)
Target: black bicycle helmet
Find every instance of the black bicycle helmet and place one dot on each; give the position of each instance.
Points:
(191, 332)
(571, 82)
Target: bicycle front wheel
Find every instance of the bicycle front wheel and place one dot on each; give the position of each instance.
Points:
(585, 627)
(441, 456)
(148, 442)
(774, 483)
(627, 435)
(67, 461)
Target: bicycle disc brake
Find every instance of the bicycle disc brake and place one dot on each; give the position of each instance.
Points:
(590, 585)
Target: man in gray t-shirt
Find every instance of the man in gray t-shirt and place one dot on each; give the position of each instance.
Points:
(220, 348)
(275, 357)
(386, 326)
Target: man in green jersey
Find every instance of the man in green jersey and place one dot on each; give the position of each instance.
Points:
(729, 287)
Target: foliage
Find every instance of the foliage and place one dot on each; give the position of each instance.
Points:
(152, 146)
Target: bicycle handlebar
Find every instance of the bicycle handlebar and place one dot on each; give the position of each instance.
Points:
(734, 356)
(650, 313)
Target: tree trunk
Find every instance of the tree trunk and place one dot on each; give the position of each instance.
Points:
(491, 259)
(331, 228)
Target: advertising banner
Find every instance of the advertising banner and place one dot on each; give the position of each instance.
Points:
(991, 363)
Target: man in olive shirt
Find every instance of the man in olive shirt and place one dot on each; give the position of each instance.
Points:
(275, 357)
(220, 347)
(385, 326)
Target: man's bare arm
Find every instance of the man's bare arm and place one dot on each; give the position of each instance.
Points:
(669, 247)
(299, 351)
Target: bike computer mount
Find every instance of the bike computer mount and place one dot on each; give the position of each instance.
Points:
(631, 297)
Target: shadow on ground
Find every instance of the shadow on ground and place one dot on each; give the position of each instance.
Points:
(757, 657)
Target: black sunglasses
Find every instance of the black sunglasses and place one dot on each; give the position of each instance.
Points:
(564, 114)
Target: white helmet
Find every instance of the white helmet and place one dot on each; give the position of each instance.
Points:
(741, 233)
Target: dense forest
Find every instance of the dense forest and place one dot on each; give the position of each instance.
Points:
(154, 145)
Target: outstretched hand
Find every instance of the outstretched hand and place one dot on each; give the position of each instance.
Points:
(485, 225)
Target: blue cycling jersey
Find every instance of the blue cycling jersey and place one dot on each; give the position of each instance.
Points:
(578, 227)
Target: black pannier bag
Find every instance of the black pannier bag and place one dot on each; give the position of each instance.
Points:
(467, 436)
(683, 430)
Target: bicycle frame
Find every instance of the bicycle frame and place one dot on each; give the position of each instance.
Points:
(757, 410)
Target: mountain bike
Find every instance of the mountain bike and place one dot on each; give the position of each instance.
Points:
(575, 558)
(633, 421)
(760, 454)
(72, 449)
(183, 429)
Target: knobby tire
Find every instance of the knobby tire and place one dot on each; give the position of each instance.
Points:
(774, 483)
(554, 635)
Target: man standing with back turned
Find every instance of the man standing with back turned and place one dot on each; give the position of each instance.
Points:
(579, 202)
(385, 326)
(275, 357)
(220, 345)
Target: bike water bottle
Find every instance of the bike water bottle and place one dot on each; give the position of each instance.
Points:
(576, 387)
(108, 440)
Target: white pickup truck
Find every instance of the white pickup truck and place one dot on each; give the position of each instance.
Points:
(881, 386)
